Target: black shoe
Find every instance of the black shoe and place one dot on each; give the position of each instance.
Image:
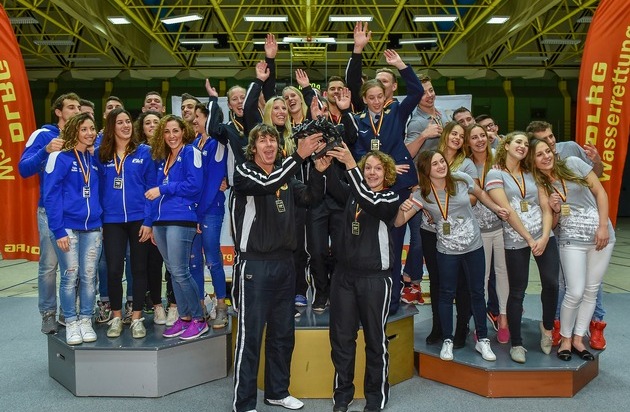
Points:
(564, 355)
(459, 339)
(434, 337)
(319, 304)
(371, 409)
(340, 408)
(584, 355)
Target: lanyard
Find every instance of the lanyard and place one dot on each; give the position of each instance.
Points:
(443, 210)
(238, 125)
(482, 179)
(563, 196)
(523, 188)
(334, 119)
(201, 143)
(377, 131)
(86, 174)
(357, 212)
(167, 167)
(118, 166)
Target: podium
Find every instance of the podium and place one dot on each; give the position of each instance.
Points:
(150, 367)
(312, 370)
(541, 376)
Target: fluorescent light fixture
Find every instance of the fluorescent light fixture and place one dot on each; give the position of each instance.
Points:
(532, 58)
(83, 59)
(585, 19)
(277, 18)
(118, 20)
(184, 40)
(329, 40)
(561, 41)
(23, 20)
(211, 59)
(54, 42)
(418, 41)
(435, 18)
(182, 19)
(349, 18)
(498, 19)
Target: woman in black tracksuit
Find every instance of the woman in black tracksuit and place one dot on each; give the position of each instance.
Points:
(361, 284)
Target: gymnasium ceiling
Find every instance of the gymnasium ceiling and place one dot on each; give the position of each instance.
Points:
(74, 38)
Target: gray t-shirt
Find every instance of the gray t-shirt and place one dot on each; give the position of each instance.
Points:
(462, 235)
(531, 218)
(487, 219)
(580, 225)
(570, 148)
(418, 121)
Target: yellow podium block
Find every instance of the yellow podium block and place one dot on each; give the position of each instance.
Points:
(312, 371)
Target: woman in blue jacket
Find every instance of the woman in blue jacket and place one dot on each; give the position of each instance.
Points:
(127, 171)
(72, 205)
(176, 197)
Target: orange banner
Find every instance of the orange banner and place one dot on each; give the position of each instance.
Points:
(18, 220)
(603, 100)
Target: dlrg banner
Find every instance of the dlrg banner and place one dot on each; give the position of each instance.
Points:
(603, 101)
(18, 197)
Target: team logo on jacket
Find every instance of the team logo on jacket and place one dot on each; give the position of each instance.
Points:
(139, 161)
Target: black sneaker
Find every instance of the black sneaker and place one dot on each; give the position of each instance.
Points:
(49, 322)
(319, 304)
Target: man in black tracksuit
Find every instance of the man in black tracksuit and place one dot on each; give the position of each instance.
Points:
(266, 195)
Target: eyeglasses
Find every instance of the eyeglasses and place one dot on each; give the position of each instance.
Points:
(491, 125)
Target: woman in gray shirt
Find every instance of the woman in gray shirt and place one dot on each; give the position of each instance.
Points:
(585, 237)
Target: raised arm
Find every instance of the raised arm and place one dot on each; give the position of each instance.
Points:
(354, 70)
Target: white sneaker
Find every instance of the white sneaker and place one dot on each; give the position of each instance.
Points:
(483, 346)
(447, 350)
(159, 315)
(87, 331)
(289, 402)
(137, 329)
(172, 316)
(73, 333)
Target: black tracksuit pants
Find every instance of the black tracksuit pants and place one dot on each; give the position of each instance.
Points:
(266, 297)
(355, 299)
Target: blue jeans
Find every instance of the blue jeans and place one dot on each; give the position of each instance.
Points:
(413, 265)
(211, 236)
(47, 271)
(175, 245)
(473, 265)
(81, 262)
(196, 264)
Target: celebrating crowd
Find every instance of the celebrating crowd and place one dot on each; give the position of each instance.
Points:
(317, 224)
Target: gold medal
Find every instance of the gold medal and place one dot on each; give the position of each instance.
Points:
(446, 228)
(565, 210)
(280, 206)
(524, 206)
(356, 228)
(375, 144)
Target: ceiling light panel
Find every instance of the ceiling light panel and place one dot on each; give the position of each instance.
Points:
(278, 18)
(349, 18)
(182, 19)
(498, 19)
(435, 18)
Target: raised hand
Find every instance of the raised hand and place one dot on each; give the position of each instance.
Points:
(262, 71)
(212, 92)
(271, 47)
(362, 36)
(302, 78)
(344, 99)
(393, 59)
(310, 144)
(344, 155)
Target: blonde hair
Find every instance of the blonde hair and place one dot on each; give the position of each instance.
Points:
(288, 146)
(461, 154)
(389, 166)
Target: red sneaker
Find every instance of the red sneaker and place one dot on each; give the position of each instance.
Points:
(597, 340)
(555, 333)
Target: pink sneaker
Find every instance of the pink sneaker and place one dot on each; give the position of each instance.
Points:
(195, 329)
(503, 335)
(177, 329)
